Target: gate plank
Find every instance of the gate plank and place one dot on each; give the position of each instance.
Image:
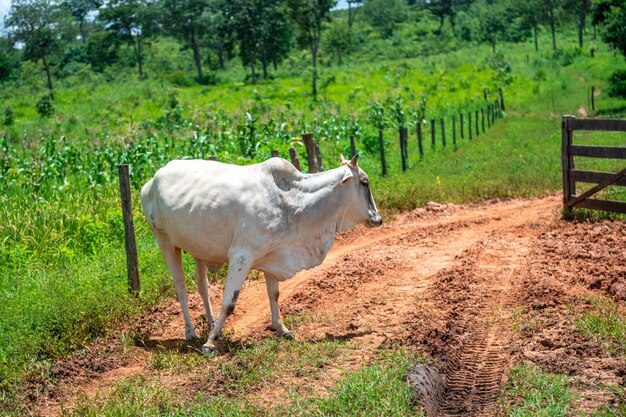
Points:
(615, 152)
(598, 124)
(594, 177)
(605, 205)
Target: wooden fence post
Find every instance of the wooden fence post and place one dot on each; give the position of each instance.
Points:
(567, 162)
(461, 125)
(307, 138)
(477, 130)
(132, 264)
(454, 129)
(275, 153)
(295, 160)
(593, 98)
(352, 146)
(318, 157)
(432, 133)
(443, 132)
(212, 158)
(404, 133)
(381, 146)
(469, 124)
(482, 118)
(419, 138)
(501, 99)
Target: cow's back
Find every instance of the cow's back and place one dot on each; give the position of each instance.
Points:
(205, 207)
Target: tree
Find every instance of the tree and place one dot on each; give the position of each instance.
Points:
(220, 29)
(339, 41)
(37, 24)
(276, 33)
(310, 16)
(353, 7)
(610, 16)
(80, 9)
(584, 7)
(184, 20)
(9, 60)
(384, 15)
(133, 21)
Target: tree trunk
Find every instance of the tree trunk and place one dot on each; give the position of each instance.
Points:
(553, 28)
(493, 45)
(536, 41)
(350, 17)
(137, 47)
(197, 58)
(275, 64)
(47, 68)
(582, 17)
(81, 26)
(264, 64)
(314, 64)
(253, 73)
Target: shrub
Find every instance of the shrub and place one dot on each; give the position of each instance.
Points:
(617, 84)
(9, 115)
(45, 106)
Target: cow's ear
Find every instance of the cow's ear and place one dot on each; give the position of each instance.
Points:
(354, 160)
(347, 176)
(342, 159)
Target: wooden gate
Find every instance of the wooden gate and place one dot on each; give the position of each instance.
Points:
(571, 175)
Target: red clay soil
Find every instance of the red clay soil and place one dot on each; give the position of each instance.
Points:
(447, 281)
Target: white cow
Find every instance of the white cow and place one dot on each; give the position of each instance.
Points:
(268, 216)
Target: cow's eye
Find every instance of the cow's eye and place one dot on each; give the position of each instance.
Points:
(365, 182)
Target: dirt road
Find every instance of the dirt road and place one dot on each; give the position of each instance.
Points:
(456, 283)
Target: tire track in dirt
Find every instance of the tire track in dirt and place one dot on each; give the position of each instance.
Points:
(477, 360)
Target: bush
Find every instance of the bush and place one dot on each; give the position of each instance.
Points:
(617, 84)
(45, 106)
(9, 115)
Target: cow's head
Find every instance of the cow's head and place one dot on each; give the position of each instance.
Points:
(365, 207)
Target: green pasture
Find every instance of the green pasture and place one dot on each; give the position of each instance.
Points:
(62, 261)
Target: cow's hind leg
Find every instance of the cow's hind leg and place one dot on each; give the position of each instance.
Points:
(277, 320)
(238, 268)
(203, 289)
(174, 262)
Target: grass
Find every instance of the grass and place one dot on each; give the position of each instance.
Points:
(604, 323)
(379, 388)
(533, 392)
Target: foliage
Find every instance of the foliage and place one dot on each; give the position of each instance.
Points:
(310, 16)
(384, 15)
(617, 84)
(610, 15)
(45, 106)
(9, 115)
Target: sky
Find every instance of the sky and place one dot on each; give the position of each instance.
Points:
(4, 8)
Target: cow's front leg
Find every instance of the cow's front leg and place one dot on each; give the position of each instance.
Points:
(238, 268)
(277, 320)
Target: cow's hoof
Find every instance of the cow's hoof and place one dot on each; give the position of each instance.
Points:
(194, 341)
(207, 351)
(289, 336)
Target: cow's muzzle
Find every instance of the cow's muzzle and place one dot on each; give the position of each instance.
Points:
(374, 221)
